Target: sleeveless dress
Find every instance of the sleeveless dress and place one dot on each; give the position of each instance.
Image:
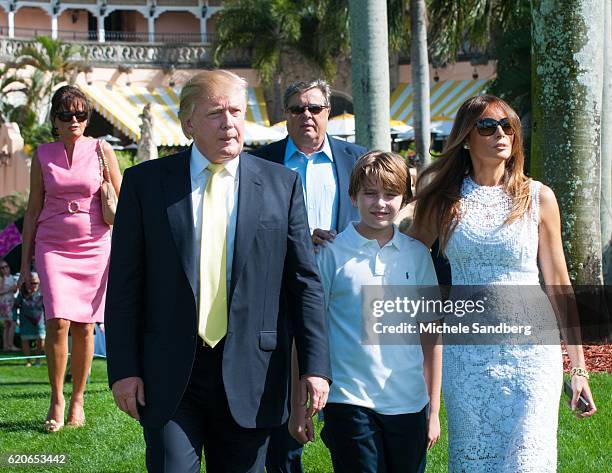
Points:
(72, 245)
(502, 401)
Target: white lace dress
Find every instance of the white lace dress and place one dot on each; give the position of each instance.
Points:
(502, 400)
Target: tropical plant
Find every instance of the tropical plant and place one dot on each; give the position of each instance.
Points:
(12, 207)
(288, 39)
(458, 25)
(55, 62)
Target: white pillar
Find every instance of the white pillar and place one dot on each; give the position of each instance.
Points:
(151, 22)
(53, 26)
(203, 28)
(11, 24)
(101, 33)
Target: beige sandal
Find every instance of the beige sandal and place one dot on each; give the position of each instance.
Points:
(51, 426)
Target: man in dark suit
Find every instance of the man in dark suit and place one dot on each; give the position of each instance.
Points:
(198, 332)
(324, 165)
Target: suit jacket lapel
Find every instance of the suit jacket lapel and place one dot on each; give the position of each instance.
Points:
(277, 151)
(249, 208)
(177, 190)
(344, 167)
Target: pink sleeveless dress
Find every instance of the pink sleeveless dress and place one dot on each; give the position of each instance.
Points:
(72, 245)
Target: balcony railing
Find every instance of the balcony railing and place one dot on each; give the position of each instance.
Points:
(192, 55)
(113, 36)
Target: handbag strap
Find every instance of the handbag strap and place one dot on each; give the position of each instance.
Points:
(103, 164)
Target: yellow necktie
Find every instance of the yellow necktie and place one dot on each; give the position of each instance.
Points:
(213, 259)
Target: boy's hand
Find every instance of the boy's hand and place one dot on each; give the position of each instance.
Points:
(301, 427)
(433, 429)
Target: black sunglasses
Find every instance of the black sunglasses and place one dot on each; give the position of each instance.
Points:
(488, 126)
(67, 116)
(314, 109)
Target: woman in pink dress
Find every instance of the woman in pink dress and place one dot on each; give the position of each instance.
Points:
(64, 226)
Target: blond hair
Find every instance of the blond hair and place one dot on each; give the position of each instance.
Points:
(439, 186)
(388, 169)
(206, 84)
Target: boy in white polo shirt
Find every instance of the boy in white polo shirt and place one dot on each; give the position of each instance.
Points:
(377, 417)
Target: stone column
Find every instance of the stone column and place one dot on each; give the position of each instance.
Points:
(101, 31)
(11, 23)
(54, 26)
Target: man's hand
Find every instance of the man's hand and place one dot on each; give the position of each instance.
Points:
(321, 237)
(316, 389)
(300, 425)
(126, 392)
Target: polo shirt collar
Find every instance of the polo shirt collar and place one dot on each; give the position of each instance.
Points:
(291, 149)
(356, 239)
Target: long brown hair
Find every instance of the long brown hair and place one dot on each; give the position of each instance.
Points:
(439, 186)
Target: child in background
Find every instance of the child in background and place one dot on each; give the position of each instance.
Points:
(31, 317)
(382, 411)
(8, 287)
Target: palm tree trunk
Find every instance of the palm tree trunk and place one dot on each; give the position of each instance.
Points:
(370, 72)
(606, 149)
(419, 66)
(567, 81)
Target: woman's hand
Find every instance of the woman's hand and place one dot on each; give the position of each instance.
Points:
(433, 429)
(301, 426)
(24, 278)
(580, 386)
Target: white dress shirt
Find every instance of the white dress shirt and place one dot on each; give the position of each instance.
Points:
(319, 182)
(199, 179)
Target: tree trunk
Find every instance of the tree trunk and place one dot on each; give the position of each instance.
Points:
(419, 65)
(567, 83)
(370, 73)
(606, 149)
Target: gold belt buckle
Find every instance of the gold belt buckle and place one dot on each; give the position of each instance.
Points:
(73, 207)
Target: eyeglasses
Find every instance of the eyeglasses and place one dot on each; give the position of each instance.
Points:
(67, 116)
(314, 109)
(488, 126)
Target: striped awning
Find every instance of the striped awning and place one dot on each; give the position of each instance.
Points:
(122, 106)
(446, 96)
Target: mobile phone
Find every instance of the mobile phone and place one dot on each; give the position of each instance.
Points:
(583, 404)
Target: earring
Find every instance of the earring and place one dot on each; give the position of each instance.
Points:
(466, 145)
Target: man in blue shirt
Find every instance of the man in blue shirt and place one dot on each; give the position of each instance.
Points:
(324, 165)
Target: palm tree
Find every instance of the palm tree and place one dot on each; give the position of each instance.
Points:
(54, 59)
(370, 72)
(567, 89)
(606, 150)
(292, 39)
(283, 36)
(419, 65)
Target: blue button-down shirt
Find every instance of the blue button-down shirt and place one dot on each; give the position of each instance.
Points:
(320, 182)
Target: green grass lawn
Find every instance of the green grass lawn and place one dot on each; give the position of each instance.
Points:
(111, 442)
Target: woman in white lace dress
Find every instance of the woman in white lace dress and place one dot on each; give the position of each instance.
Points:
(495, 225)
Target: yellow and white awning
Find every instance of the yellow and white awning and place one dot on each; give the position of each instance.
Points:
(122, 106)
(446, 96)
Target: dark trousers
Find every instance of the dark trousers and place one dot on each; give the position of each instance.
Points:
(361, 440)
(203, 421)
(284, 452)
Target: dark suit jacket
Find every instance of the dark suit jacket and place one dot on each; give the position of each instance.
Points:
(151, 312)
(345, 155)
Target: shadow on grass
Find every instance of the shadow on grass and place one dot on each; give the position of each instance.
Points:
(45, 395)
(23, 383)
(21, 426)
